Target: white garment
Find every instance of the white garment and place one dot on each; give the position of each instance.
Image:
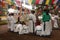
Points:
(40, 18)
(38, 29)
(11, 22)
(33, 19)
(25, 29)
(10, 10)
(54, 18)
(19, 29)
(48, 28)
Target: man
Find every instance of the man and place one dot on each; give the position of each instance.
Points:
(46, 22)
(11, 19)
(32, 21)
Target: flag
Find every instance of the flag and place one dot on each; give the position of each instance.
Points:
(12, 2)
(37, 2)
(47, 2)
(52, 1)
(3, 3)
(41, 1)
(55, 1)
(58, 1)
(44, 2)
(33, 1)
(26, 1)
(8, 1)
(21, 1)
(18, 3)
(29, 1)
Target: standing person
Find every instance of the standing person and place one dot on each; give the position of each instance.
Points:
(54, 18)
(46, 22)
(10, 18)
(56, 21)
(32, 21)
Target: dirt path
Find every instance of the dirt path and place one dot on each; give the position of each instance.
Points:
(15, 36)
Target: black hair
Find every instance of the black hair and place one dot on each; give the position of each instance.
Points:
(18, 8)
(22, 9)
(32, 12)
(12, 14)
(47, 11)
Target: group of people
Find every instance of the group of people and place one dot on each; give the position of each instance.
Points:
(26, 21)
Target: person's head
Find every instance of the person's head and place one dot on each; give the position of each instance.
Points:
(12, 6)
(11, 14)
(40, 11)
(25, 11)
(45, 7)
(32, 11)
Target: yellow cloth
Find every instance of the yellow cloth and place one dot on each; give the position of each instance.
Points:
(47, 2)
(8, 1)
(29, 1)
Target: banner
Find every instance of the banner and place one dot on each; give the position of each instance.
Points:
(52, 1)
(37, 2)
(8, 1)
(18, 3)
(26, 1)
(47, 2)
(41, 1)
(12, 2)
(55, 2)
(33, 1)
(29, 1)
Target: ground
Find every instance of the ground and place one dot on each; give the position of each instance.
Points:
(7, 35)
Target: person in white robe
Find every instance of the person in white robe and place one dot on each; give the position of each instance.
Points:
(47, 26)
(10, 17)
(11, 23)
(55, 20)
(32, 21)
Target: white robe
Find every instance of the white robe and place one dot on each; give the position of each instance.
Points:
(55, 21)
(48, 27)
(18, 27)
(32, 22)
(11, 22)
(38, 29)
(25, 29)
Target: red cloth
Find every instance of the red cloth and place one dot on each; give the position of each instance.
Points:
(53, 1)
(3, 4)
(37, 2)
